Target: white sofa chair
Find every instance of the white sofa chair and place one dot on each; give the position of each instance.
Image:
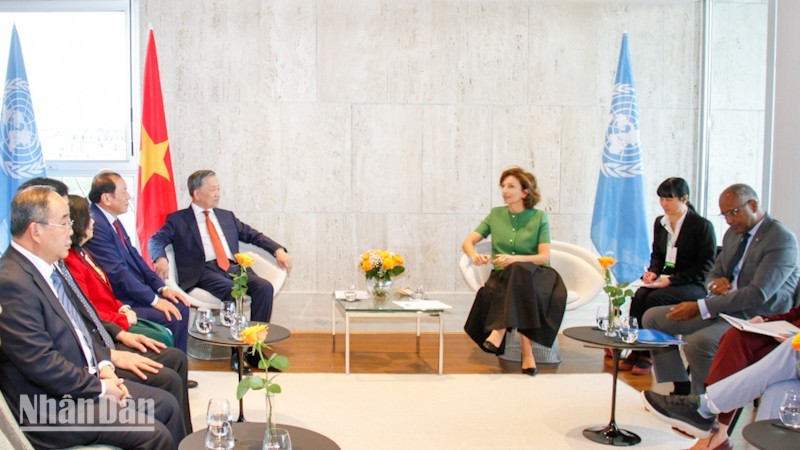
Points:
(264, 264)
(577, 266)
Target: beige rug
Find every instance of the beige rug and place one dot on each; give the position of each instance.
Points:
(445, 412)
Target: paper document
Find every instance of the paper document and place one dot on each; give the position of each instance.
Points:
(778, 328)
(360, 295)
(422, 304)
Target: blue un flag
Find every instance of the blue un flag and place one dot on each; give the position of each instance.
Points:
(619, 221)
(19, 140)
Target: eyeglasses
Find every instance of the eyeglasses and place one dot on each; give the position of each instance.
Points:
(67, 226)
(732, 213)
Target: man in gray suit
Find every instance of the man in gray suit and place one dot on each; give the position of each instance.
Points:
(755, 275)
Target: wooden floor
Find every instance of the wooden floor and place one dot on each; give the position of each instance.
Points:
(396, 353)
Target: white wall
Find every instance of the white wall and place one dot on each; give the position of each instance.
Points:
(339, 126)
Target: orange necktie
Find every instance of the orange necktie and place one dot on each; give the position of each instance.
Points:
(222, 259)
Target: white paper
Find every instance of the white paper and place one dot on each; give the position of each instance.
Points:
(360, 295)
(778, 328)
(422, 304)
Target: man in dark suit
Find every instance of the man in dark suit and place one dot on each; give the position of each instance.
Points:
(52, 346)
(132, 280)
(755, 275)
(205, 238)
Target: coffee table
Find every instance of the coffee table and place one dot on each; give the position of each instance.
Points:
(250, 436)
(221, 335)
(370, 309)
(771, 434)
(609, 434)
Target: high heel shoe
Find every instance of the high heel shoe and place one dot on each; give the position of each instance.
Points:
(490, 347)
(532, 371)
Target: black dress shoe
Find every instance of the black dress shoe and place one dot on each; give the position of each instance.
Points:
(235, 364)
(532, 371)
(191, 384)
(490, 347)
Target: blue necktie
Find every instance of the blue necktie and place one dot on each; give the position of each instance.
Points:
(90, 310)
(73, 314)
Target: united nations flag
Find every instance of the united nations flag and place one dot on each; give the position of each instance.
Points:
(619, 221)
(19, 140)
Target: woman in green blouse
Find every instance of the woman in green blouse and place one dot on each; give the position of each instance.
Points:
(523, 292)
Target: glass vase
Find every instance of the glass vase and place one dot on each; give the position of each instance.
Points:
(379, 288)
(614, 316)
(270, 399)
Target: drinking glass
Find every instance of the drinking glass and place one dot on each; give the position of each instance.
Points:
(277, 439)
(629, 331)
(218, 418)
(226, 313)
(419, 293)
(350, 293)
(602, 317)
(790, 409)
(238, 324)
(204, 320)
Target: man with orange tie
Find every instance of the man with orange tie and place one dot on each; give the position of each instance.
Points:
(132, 280)
(205, 238)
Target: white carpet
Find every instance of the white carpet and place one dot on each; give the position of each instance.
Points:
(504, 411)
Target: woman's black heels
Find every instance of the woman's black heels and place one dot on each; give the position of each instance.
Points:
(490, 347)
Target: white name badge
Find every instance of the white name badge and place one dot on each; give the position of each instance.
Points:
(672, 256)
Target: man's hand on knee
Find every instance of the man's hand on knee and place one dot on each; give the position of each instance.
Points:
(684, 311)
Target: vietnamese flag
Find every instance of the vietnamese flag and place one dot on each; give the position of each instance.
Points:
(156, 180)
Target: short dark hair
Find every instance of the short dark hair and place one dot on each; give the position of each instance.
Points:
(79, 213)
(57, 185)
(196, 179)
(528, 182)
(674, 187)
(29, 205)
(103, 183)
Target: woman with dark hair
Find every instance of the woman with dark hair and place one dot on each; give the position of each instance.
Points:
(684, 249)
(93, 280)
(522, 292)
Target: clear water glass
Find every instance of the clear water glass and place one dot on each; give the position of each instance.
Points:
(218, 418)
(350, 293)
(790, 409)
(419, 293)
(602, 317)
(629, 331)
(238, 324)
(277, 439)
(204, 320)
(226, 313)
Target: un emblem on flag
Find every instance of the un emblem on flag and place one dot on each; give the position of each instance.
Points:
(622, 155)
(22, 152)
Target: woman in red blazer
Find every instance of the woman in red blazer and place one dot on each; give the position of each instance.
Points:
(94, 282)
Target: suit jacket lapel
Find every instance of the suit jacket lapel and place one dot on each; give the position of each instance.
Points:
(229, 230)
(191, 222)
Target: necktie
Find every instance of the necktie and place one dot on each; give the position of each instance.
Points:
(737, 258)
(118, 227)
(90, 311)
(219, 250)
(75, 317)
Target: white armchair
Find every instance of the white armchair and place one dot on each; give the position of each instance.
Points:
(577, 266)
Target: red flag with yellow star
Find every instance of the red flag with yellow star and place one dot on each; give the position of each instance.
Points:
(156, 180)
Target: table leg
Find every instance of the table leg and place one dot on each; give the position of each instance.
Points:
(333, 326)
(240, 355)
(418, 334)
(346, 344)
(441, 343)
(611, 434)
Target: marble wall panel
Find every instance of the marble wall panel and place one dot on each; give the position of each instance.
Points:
(426, 243)
(528, 137)
(738, 74)
(351, 51)
(572, 228)
(583, 130)
(387, 165)
(298, 232)
(563, 59)
(316, 150)
(734, 138)
(680, 79)
(338, 252)
(456, 158)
